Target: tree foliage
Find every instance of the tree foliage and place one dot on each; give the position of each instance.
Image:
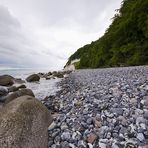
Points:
(124, 43)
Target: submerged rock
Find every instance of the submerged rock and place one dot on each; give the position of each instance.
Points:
(24, 123)
(33, 78)
(3, 91)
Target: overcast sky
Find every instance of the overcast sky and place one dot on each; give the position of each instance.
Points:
(44, 33)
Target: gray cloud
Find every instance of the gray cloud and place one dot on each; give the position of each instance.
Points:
(45, 33)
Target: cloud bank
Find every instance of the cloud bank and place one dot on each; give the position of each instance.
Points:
(43, 34)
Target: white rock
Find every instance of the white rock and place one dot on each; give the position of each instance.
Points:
(52, 126)
(140, 136)
(71, 145)
(90, 145)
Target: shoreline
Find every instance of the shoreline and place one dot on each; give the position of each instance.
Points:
(105, 107)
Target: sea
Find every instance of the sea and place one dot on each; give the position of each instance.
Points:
(41, 89)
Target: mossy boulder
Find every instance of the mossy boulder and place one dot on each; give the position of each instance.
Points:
(24, 124)
(33, 78)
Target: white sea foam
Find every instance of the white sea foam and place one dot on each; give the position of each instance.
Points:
(42, 88)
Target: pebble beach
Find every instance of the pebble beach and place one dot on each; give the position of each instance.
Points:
(100, 108)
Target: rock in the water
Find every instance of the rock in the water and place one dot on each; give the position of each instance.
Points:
(21, 86)
(3, 91)
(58, 74)
(24, 123)
(33, 78)
(12, 88)
(17, 94)
(15, 88)
(6, 80)
(19, 81)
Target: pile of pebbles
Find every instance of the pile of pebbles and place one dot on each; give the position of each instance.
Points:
(106, 108)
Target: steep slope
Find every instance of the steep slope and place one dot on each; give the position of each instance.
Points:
(124, 43)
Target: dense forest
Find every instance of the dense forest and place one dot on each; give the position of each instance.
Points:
(124, 43)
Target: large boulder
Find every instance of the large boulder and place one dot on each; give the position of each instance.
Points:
(6, 80)
(17, 94)
(24, 124)
(33, 78)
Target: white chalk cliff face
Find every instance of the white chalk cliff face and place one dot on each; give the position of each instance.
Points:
(71, 66)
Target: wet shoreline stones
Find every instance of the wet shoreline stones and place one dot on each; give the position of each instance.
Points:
(101, 108)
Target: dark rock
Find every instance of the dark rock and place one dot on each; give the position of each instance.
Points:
(3, 91)
(17, 94)
(12, 88)
(20, 81)
(49, 73)
(48, 77)
(33, 78)
(146, 134)
(58, 74)
(21, 86)
(15, 88)
(6, 80)
(26, 121)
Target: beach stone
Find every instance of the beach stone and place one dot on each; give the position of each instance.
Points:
(97, 123)
(65, 136)
(146, 134)
(140, 136)
(52, 126)
(12, 89)
(118, 111)
(50, 143)
(64, 144)
(64, 126)
(145, 115)
(145, 100)
(3, 91)
(21, 86)
(71, 145)
(19, 81)
(17, 94)
(24, 123)
(58, 74)
(90, 145)
(81, 144)
(6, 80)
(57, 139)
(91, 138)
(33, 78)
(89, 121)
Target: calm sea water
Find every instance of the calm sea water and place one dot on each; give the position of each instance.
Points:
(42, 88)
